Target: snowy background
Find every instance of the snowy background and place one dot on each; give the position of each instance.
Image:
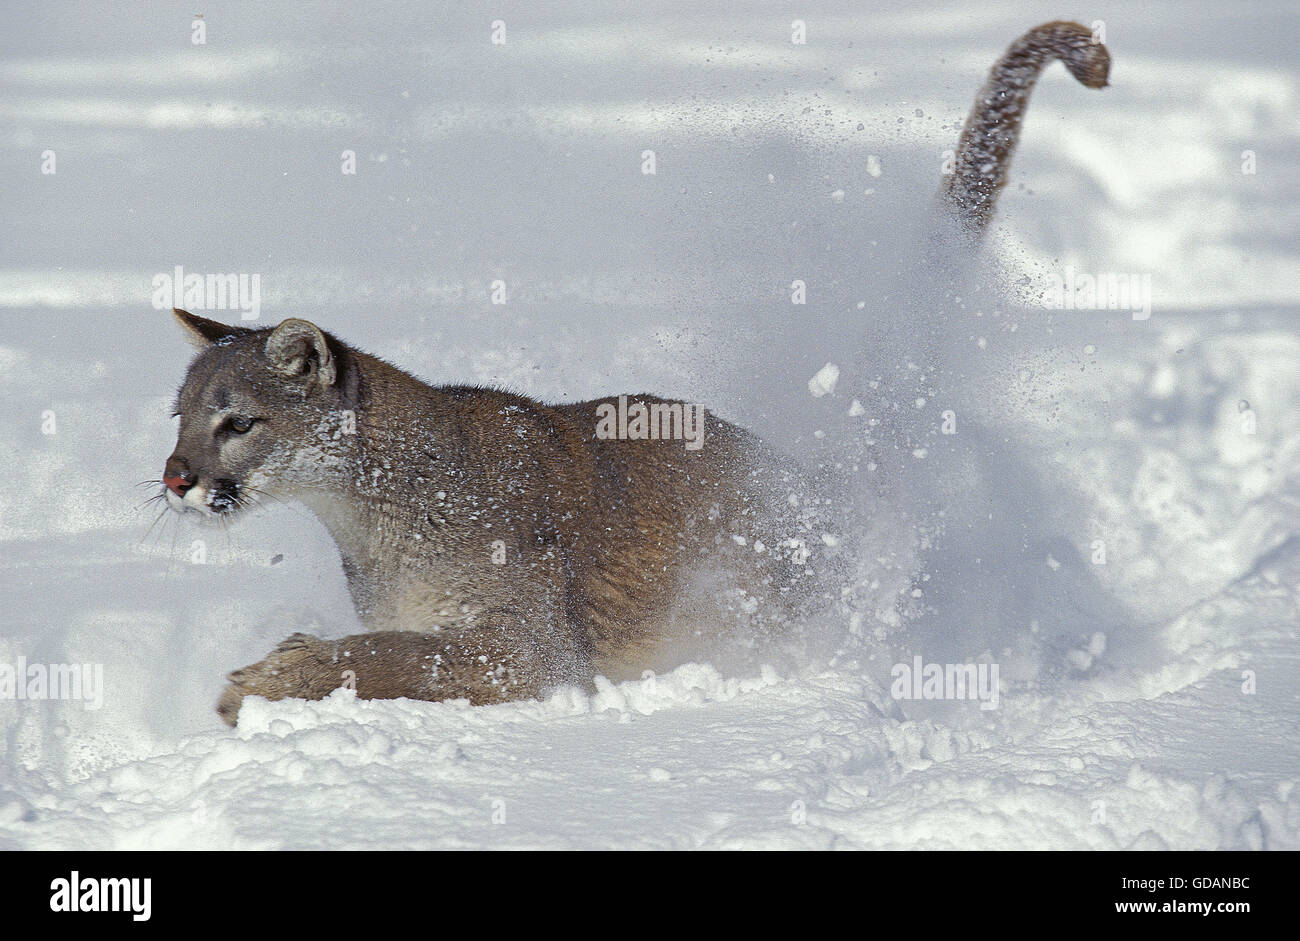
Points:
(1124, 720)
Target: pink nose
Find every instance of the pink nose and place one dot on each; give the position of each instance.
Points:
(178, 484)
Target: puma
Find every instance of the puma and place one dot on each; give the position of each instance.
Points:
(495, 546)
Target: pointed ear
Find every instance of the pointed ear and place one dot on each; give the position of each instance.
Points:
(298, 348)
(201, 332)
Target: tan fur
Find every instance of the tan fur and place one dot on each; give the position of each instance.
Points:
(609, 544)
(428, 490)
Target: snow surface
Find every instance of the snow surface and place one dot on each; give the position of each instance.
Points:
(1123, 720)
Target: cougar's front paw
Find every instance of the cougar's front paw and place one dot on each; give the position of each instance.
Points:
(291, 670)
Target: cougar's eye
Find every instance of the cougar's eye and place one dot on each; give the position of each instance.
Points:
(240, 424)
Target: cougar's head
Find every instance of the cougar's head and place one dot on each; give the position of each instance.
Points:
(261, 412)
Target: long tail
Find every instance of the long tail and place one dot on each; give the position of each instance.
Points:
(993, 126)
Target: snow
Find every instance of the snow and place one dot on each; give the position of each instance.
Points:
(823, 383)
(1115, 522)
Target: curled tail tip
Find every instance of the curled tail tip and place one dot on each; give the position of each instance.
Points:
(1078, 47)
(1092, 68)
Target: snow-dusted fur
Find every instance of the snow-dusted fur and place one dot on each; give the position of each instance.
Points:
(495, 546)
